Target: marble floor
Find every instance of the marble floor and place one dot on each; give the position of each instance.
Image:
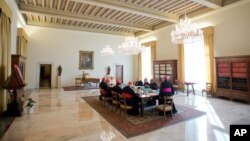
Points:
(63, 116)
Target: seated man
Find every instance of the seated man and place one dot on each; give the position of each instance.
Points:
(138, 82)
(166, 89)
(112, 81)
(145, 83)
(153, 85)
(104, 89)
(117, 87)
(132, 99)
(102, 83)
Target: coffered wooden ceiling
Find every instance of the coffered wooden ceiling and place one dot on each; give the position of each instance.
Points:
(121, 17)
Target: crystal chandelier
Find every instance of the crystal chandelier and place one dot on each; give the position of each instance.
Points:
(131, 46)
(107, 50)
(186, 31)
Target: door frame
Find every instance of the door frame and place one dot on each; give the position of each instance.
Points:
(38, 73)
(122, 71)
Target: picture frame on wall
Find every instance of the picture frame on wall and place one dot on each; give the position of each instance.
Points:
(86, 60)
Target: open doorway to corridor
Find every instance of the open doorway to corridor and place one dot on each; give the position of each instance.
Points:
(45, 76)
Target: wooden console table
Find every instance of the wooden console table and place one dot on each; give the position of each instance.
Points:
(79, 81)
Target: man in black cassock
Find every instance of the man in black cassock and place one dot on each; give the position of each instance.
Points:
(153, 85)
(138, 82)
(133, 101)
(104, 89)
(117, 87)
(166, 84)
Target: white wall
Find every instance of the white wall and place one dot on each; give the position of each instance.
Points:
(231, 37)
(232, 29)
(61, 47)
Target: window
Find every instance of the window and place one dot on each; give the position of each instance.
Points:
(146, 63)
(194, 62)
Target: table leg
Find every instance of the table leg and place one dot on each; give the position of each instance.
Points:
(193, 89)
(187, 90)
(142, 108)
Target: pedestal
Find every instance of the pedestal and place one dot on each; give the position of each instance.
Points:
(59, 83)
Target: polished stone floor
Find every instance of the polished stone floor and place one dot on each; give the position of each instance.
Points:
(63, 116)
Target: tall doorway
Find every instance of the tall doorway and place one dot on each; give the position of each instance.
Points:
(119, 72)
(45, 76)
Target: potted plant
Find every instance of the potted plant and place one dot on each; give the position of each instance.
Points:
(30, 105)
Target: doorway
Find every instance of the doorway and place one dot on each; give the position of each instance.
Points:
(119, 72)
(45, 76)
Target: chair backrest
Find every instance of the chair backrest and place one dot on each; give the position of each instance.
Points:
(209, 86)
(122, 100)
(114, 95)
(180, 84)
(103, 92)
(127, 95)
(168, 100)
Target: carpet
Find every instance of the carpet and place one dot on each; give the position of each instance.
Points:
(131, 126)
(74, 88)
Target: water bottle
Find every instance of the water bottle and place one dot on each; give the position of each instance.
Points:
(156, 102)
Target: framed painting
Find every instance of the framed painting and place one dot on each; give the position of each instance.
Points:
(86, 60)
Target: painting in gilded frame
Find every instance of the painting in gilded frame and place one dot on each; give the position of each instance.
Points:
(86, 60)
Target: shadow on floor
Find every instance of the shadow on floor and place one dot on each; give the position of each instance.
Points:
(5, 122)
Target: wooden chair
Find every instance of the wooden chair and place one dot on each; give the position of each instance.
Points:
(104, 99)
(115, 100)
(179, 86)
(208, 90)
(123, 106)
(167, 106)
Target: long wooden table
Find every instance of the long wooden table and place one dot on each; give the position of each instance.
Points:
(143, 98)
(79, 81)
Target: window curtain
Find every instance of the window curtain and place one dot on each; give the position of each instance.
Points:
(5, 52)
(139, 67)
(21, 42)
(208, 34)
(152, 45)
(181, 74)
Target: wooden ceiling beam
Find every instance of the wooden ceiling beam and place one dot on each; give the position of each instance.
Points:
(80, 9)
(53, 25)
(51, 3)
(59, 4)
(43, 3)
(34, 2)
(209, 3)
(80, 17)
(74, 6)
(66, 5)
(25, 1)
(132, 8)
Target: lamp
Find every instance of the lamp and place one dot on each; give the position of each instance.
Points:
(186, 31)
(131, 46)
(107, 50)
